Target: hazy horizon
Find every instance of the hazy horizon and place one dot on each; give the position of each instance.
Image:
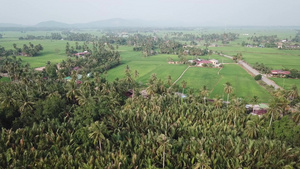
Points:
(191, 12)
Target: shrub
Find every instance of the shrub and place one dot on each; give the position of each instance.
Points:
(258, 77)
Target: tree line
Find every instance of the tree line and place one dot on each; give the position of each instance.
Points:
(262, 41)
(54, 36)
(28, 50)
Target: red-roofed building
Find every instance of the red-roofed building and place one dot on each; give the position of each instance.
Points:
(82, 54)
(280, 72)
(200, 63)
(76, 68)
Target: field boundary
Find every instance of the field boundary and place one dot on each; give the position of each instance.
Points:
(180, 75)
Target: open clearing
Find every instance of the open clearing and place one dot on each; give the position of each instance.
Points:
(196, 77)
(243, 84)
(287, 83)
(272, 57)
(4, 79)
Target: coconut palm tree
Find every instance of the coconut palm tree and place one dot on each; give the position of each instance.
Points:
(293, 93)
(274, 110)
(97, 131)
(218, 102)
(236, 108)
(72, 90)
(204, 93)
(228, 89)
(183, 83)
(252, 127)
(164, 144)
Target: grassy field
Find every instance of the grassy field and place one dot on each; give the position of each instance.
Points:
(244, 85)
(146, 66)
(287, 83)
(4, 79)
(274, 58)
(54, 51)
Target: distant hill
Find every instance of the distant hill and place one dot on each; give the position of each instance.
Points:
(52, 24)
(116, 22)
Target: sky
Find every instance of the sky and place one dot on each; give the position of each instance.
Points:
(193, 12)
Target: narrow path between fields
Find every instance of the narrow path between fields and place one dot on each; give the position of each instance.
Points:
(216, 84)
(181, 75)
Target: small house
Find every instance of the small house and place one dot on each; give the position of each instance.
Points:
(280, 73)
(202, 62)
(181, 95)
(76, 68)
(68, 78)
(214, 61)
(82, 54)
(258, 109)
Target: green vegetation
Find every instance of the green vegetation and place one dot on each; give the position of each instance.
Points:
(271, 57)
(124, 111)
(44, 120)
(258, 77)
(54, 51)
(243, 84)
(4, 79)
(286, 83)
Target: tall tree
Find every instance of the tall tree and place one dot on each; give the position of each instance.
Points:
(163, 140)
(97, 131)
(183, 83)
(204, 93)
(228, 89)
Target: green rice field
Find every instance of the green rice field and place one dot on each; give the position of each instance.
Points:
(287, 83)
(4, 79)
(243, 84)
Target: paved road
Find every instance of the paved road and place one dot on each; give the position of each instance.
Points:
(255, 72)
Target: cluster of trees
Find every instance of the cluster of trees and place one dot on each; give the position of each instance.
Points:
(71, 50)
(28, 50)
(1, 36)
(294, 74)
(47, 122)
(4, 52)
(100, 59)
(170, 47)
(32, 37)
(297, 37)
(78, 36)
(149, 44)
(145, 43)
(225, 38)
(54, 36)
(237, 57)
(262, 68)
(14, 67)
(262, 41)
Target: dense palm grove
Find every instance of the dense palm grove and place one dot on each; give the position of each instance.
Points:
(47, 121)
